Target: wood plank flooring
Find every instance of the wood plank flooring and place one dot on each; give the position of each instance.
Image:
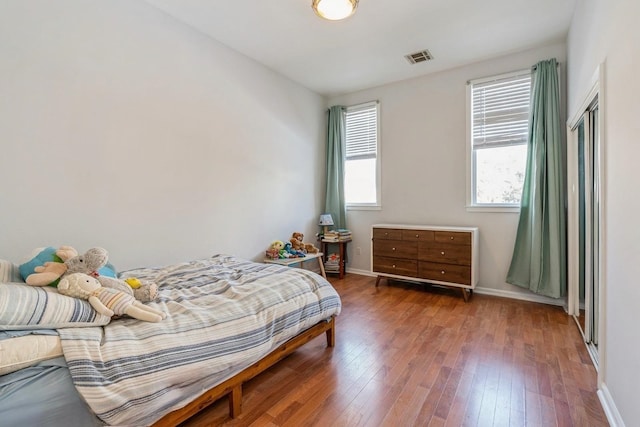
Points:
(410, 356)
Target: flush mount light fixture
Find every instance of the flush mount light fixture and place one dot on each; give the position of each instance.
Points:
(334, 10)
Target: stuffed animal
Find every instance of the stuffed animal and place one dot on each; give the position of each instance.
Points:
(49, 265)
(294, 253)
(298, 244)
(277, 251)
(272, 252)
(107, 301)
(94, 262)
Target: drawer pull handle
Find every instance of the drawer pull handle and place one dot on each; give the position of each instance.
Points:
(386, 234)
(442, 253)
(442, 272)
(417, 236)
(393, 249)
(394, 266)
(451, 237)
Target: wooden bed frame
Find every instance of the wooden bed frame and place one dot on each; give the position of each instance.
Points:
(233, 386)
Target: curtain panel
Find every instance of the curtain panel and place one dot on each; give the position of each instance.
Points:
(539, 255)
(335, 202)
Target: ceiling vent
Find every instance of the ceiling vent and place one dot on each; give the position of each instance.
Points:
(422, 56)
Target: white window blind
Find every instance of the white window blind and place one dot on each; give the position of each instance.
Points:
(361, 124)
(501, 111)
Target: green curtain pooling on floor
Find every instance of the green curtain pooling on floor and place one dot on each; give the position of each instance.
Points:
(539, 254)
(334, 202)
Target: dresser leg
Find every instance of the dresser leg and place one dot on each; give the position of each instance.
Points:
(378, 280)
(466, 294)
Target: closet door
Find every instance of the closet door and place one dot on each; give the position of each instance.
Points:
(584, 225)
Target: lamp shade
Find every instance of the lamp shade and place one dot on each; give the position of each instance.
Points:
(326, 219)
(334, 10)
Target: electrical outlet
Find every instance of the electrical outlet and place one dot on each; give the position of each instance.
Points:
(358, 250)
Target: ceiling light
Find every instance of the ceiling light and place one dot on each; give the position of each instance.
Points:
(334, 10)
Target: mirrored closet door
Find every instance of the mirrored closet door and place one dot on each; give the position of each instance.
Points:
(583, 156)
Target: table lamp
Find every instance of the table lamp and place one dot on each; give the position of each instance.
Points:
(326, 220)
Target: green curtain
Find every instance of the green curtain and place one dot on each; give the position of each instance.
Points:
(334, 202)
(539, 254)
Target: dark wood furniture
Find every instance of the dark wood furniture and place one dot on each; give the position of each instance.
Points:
(434, 254)
(342, 251)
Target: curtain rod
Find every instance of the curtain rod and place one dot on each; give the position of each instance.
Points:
(505, 75)
(375, 101)
(536, 66)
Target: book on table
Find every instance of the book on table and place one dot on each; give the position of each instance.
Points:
(339, 235)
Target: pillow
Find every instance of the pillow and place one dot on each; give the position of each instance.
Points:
(31, 307)
(39, 257)
(9, 272)
(22, 352)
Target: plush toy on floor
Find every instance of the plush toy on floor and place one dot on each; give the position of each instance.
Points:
(107, 301)
(298, 244)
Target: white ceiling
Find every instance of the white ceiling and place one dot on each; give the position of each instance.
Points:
(368, 48)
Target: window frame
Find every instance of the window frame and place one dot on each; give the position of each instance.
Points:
(472, 205)
(377, 205)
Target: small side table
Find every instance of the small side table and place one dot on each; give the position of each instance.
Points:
(342, 250)
(290, 261)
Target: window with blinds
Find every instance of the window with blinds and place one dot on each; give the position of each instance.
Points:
(362, 178)
(501, 111)
(361, 127)
(499, 126)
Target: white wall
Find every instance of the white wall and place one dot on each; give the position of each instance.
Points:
(607, 31)
(423, 153)
(123, 128)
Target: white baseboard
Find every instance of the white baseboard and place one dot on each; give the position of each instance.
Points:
(609, 407)
(520, 296)
(361, 272)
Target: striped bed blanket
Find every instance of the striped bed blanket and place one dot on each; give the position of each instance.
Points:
(224, 314)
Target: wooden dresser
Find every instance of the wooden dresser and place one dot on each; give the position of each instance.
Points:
(433, 254)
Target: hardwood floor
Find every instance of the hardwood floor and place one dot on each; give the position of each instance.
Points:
(406, 356)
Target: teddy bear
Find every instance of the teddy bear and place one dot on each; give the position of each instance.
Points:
(107, 301)
(298, 244)
(94, 262)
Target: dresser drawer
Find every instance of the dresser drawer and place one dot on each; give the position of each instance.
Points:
(455, 237)
(417, 235)
(395, 249)
(445, 272)
(387, 234)
(401, 267)
(448, 253)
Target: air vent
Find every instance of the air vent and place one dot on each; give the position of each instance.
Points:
(422, 56)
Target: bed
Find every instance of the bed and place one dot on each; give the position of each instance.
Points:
(228, 320)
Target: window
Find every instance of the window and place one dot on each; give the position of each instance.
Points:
(362, 177)
(499, 126)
